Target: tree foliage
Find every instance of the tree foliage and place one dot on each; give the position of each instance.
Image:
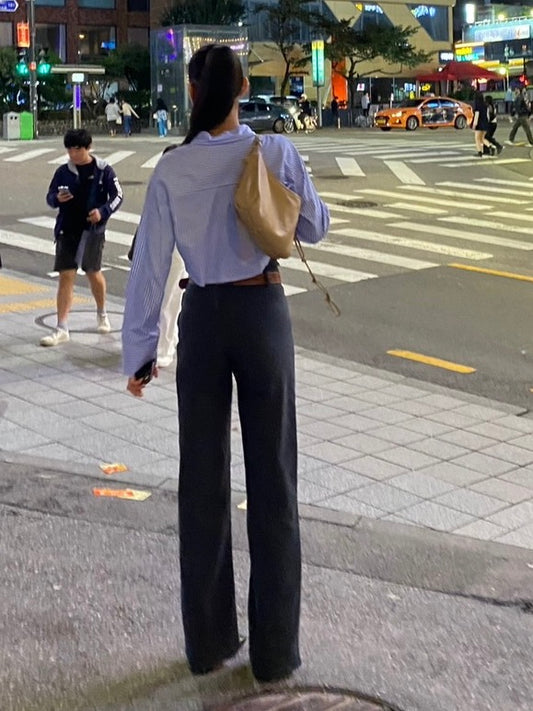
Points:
(204, 12)
(8, 83)
(392, 44)
(284, 20)
(130, 62)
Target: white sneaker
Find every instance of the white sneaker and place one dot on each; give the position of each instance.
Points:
(55, 338)
(103, 325)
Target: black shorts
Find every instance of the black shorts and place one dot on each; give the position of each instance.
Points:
(83, 251)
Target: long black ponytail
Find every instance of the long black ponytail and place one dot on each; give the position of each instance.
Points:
(216, 73)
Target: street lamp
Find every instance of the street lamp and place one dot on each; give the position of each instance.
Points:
(33, 66)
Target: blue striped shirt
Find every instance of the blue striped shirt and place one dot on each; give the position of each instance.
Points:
(189, 204)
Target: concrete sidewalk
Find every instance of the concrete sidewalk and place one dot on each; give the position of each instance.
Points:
(371, 443)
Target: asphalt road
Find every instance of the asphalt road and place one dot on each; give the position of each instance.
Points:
(405, 206)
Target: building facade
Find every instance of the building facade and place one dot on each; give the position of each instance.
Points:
(81, 30)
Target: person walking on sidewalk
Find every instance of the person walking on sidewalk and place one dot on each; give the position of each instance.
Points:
(234, 322)
(521, 110)
(480, 124)
(492, 116)
(127, 112)
(112, 114)
(86, 191)
(161, 116)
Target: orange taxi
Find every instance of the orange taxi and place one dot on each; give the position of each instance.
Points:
(430, 112)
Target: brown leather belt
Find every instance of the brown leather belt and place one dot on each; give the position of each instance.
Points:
(263, 279)
(259, 280)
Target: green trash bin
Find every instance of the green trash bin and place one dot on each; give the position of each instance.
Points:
(26, 125)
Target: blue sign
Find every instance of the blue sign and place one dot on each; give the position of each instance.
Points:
(8, 5)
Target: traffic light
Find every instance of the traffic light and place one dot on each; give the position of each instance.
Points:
(22, 67)
(44, 67)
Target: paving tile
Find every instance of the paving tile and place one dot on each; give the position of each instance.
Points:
(362, 442)
(522, 537)
(370, 381)
(422, 485)
(323, 430)
(332, 452)
(338, 479)
(522, 424)
(113, 422)
(307, 463)
(484, 464)
(16, 438)
(494, 431)
(427, 427)
(432, 515)
(414, 407)
(142, 411)
(348, 403)
(438, 448)
(351, 505)
(384, 497)
(467, 439)
(407, 458)
(343, 388)
(522, 477)
(320, 411)
(378, 397)
(454, 419)
(306, 440)
(61, 453)
(452, 473)
(315, 379)
(483, 530)
(357, 423)
(510, 453)
(441, 402)
(394, 518)
(308, 392)
(374, 468)
(480, 412)
(525, 441)
(77, 409)
(405, 392)
(470, 502)
(387, 415)
(504, 490)
(309, 493)
(514, 516)
(397, 434)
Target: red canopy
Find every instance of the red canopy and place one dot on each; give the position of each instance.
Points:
(459, 71)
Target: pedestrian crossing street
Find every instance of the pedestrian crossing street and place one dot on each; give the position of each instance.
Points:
(350, 157)
(374, 232)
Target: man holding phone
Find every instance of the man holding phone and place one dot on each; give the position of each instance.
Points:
(87, 192)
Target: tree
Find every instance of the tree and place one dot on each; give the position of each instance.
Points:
(9, 82)
(130, 62)
(284, 20)
(392, 44)
(204, 12)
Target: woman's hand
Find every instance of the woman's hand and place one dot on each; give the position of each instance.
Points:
(136, 385)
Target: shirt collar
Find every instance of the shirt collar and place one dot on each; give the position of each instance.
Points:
(204, 137)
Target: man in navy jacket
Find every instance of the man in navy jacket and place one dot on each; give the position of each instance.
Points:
(87, 192)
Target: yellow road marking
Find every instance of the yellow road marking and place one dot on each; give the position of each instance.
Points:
(492, 272)
(18, 306)
(10, 287)
(429, 360)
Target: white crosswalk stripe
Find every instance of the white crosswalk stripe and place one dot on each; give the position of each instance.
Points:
(28, 155)
(418, 228)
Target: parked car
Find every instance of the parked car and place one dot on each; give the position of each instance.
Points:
(431, 112)
(263, 116)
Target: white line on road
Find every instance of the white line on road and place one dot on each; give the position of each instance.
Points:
(520, 216)
(420, 198)
(117, 156)
(370, 255)
(292, 290)
(456, 193)
(365, 211)
(412, 244)
(492, 181)
(417, 208)
(405, 174)
(58, 161)
(485, 162)
(124, 216)
(462, 235)
(349, 166)
(20, 157)
(489, 224)
(444, 156)
(153, 161)
(328, 270)
(489, 189)
(49, 222)
(33, 244)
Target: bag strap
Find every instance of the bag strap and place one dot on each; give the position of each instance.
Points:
(327, 296)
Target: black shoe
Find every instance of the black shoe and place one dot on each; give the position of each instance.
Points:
(201, 671)
(499, 149)
(492, 150)
(480, 154)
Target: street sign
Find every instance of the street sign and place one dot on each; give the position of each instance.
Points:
(9, 5)
(317, 57)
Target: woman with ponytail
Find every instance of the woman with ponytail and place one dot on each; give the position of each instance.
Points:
(234, 323)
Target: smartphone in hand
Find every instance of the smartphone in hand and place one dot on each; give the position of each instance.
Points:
(145, 372)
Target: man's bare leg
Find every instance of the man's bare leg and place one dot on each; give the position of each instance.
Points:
(65, 294)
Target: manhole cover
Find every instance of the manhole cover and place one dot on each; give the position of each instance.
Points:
(306, 701)
(332, 177)
(131, 182)
(356, 203)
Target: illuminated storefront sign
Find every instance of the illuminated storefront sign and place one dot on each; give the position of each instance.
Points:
(499, 33)
(423, 11)
(446, 57)
(469, 52)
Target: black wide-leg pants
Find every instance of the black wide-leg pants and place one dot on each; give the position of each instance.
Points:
(244, 331)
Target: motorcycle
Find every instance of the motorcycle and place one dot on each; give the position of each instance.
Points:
(309, 124)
